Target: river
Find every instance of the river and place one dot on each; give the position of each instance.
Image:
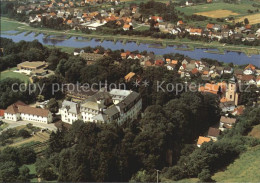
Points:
(79, 42)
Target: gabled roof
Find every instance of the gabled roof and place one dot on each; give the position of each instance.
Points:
(213, 132)
(227, 120)
(201, 140)
(250, 66)
(129, 76)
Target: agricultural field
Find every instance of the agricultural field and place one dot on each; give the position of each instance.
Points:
(239, 9)
(217, 13)
(253, 19)
(244, 169)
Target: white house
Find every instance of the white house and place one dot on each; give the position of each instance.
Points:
(258, 81)
(69, 112)
(20, 111)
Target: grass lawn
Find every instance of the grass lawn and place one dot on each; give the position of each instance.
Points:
(3, 126)
(11, 74)
(255, 132)
(244, 169)
(6, 25)
(33, 175)
(240, 8)
(142, 28)
(65, 49)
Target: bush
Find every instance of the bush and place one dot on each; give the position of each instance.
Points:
(24, 133)
(204, 175)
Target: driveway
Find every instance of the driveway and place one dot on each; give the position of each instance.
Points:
(13, 124)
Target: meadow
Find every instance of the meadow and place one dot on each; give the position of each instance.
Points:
(11, 74)
(244, 169)
(239, 9)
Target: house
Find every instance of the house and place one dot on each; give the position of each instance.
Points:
(2, 113)
(29, 67)
(180, 22)
(228, 70)
(249, 70)
(126, 27)
(125, 55)
(129, 76)
(69, 112)
(226, 122)
(148, 63)
(210, 26)
(210, 88)
(196, 32)
(159, 62)
(213, 133)
(170, 67)
(202, 140)
(258, 81)
(157, 19)
(238, 110)
(189, 3)
(248, 79)
(78, 93)
(251, 37)
(21, 9)
(20, 111)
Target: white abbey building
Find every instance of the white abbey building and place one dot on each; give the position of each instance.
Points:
(116, 105)
(20, 111)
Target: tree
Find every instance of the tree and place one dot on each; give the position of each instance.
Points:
(246, 21)
(27, 155)
(8, 171)
(45, 170)
(53, 105)
(24, 133)
(204, 175)
(24, 174)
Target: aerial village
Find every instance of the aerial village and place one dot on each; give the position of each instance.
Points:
(71, 14)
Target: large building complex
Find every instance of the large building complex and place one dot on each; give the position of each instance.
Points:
(116, 105)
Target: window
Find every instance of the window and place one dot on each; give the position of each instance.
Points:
(231, 96)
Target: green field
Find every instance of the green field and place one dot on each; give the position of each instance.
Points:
(6, 25)
(11, 74)
(245, 169)
(32, 172)
(240, 8)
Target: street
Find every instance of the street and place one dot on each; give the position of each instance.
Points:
(13, 124)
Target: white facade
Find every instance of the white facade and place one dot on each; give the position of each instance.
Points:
(248, 72)
(116, 105)
(35, 118)
(12, 117)
(69, 112)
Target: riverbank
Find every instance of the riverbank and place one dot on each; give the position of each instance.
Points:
(137, 39)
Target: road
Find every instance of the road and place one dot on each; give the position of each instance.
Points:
(14, 124)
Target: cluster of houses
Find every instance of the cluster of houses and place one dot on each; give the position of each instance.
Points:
(102, 107)
(214, 132)
(76, 18)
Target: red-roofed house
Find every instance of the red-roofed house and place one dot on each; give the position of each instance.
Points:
(159, 62)
(196, 32)
(20, 111)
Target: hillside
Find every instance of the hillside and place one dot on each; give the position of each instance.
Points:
(244, 169)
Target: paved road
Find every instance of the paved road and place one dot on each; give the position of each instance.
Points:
(13, 124)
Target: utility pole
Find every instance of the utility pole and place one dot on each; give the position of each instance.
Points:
(157, 171)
